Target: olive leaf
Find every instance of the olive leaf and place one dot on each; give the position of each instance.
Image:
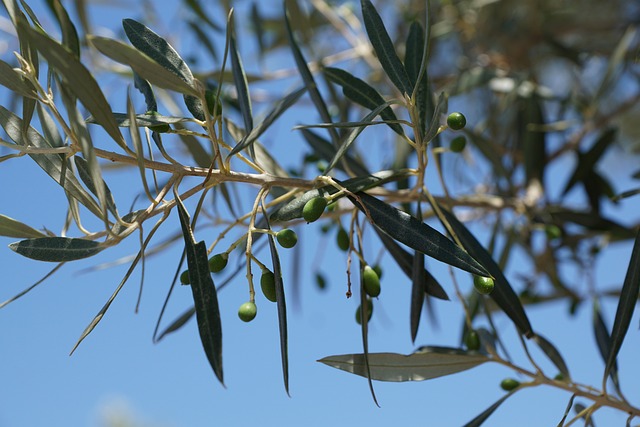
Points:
(533, 141)
(145, 120)
(13, 81)
(364, 328)
(553, 354)
(588, 160)
(503, 294)
(57, 249)
(240, 80)
(178, 323)
(441, 108)
(84, 172)
(425, 364)
(416, 48)
(603, 340)
(418, 279)
(416, 234)
(10, 227)
(69, 32)
(484, 415)
(205, 297)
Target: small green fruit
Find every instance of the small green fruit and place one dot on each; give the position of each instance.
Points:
(247, 311)
(218, 262)
(559, 377)
(552, 231)
(472, 340)
(184, 277)
(368, 310)
(456, 121)
(378, 270)
(314, 208)
(287, 238)
(370, 281)
(457, 144)
(509, 384)
(483, 285)
(210, 97)
(342, 239)
(268, 285)
(321, 282)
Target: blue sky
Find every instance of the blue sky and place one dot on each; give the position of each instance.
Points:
(118, 370)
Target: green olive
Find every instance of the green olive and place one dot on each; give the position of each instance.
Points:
(378, 270)
(268, 285)
(218, 262)
(313, 209)
(456, 121)
(457, 144)
(184, 277)
(472, 340)
(370, 281)
(342, 239)
(552, 231)
(509, 384)
(483, 285)
(210, 97)
(247, 311)
(369, 312)
(287, 238)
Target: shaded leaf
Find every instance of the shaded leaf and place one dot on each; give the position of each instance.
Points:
(441, 108)
(417, 294)
(145, 120)
(195, 6)
(178, 323)
(416, 46)
(533, 141)
(325, 150)
(56, 249)
(10, 227)
(587, 161)
(553, 354)
(482, 417)
(69, 33)
(416, 234)
(204, 294)
(240, 81)
(364, 328)
(626, 306)
(13, 81)
(384, 48)
(85, 175)
(603, 340)
(80, 81)
(362, 93)
(146, 90)
(425, 364)
(502, 293)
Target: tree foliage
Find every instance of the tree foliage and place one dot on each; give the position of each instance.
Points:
(540, 83)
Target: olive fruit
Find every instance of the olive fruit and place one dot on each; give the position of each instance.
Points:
(509, 384)
(184, 277)
(287, 238)
(268, 285)
(552, 231)
(210, 97)
(314, 208)
(342, 239)
(483, 285)
(368, 310)
(218, 262)
(378, 270)
(472, 340)
(370, 281)
(457, 144)
(247, 311)
(456, 121)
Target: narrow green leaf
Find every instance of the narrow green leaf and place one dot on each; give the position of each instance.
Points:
(587, 162)
(482, 417)
(146, 120)
(79, 81)
(416, 234)
(626, 306)
(425, 364)
(603, 340)
(364, 328)
(51, 163)
(56, 249)
(417, 288)
(85, 175)
(325, 150)
(306, 75)
(178, 323)
(158, 49)
(10, 227)
(293, 209)
(142, 64)
(69, 33)
(592, 221)
(553, 354)
(195, 6)
(353, 134)
(277, 110)
(441, 108)
(503, 293)
(405, 261)
(416, 47)
(147, 91)
(13, 81)
(204, 294)
(30, 288)
(240, 81)
(384, 48)
(533, 141)
(362, 93)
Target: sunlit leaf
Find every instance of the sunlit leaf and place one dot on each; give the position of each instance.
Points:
(10, 227)
(204, 294)
(425, 364)
(416, 234)
(56, 249)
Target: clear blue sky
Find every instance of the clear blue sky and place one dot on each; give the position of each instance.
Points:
(117, 369)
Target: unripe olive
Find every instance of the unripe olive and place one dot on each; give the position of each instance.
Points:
(370, 281)
(287, 238)
(218, 262)
(342, 239)
(457, 144)
(559, 377)
(509, 384)
(210, 97)
(483, 285)
(268, 285)
(552, 231)
(378, 270)
(247, 311)
(456, 121)
(314, 208)
(472, 340)
(184, 277)
(368, 312)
